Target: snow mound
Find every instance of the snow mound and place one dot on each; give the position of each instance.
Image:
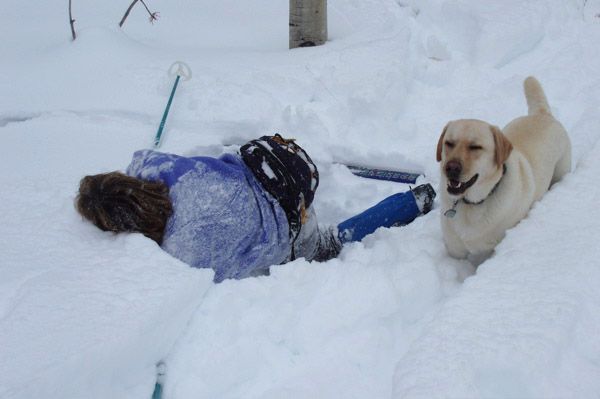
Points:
(489, 34)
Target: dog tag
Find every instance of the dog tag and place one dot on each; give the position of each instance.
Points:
(450, 213)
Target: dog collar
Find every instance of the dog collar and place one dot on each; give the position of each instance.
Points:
(452, 211)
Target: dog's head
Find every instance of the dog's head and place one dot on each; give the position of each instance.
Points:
(471, 153)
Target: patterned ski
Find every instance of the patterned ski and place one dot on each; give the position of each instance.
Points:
(399, 176)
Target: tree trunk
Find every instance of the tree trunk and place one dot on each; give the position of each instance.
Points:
(308, 23)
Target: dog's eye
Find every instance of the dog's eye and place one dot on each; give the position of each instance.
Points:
(475, 147)
(449, 144)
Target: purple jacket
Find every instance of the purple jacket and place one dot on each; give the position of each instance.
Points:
(222, 218)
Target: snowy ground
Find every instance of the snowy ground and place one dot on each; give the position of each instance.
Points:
(85, 313)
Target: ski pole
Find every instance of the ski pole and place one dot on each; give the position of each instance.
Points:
(158, 386)
(178, 69)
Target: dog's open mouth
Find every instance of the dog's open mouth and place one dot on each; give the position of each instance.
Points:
(456, 187)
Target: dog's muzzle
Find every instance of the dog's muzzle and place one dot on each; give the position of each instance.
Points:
(453, 169)
(456, 187)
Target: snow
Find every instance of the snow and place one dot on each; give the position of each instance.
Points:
(267, 170)
(85, 313)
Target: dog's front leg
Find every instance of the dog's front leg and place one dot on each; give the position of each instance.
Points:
(454, 245)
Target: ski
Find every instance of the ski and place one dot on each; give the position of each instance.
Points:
(399, 176)
(371, 172)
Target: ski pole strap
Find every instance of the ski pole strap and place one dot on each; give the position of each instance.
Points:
(164, 118)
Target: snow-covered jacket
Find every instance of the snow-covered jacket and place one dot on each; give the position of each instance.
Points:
(222, 217)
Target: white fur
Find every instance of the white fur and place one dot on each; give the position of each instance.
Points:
(540, 156)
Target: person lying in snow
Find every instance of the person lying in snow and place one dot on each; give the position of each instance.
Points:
(238, 214)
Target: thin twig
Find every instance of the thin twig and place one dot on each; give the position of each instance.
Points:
(127, 13)
(72, 22)
(153, 15)
(147, 9)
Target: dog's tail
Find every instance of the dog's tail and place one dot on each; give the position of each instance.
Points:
(536, 99)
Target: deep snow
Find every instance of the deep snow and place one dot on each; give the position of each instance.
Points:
(85, 313)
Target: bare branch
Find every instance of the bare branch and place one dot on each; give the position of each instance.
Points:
(153, 15)
(72, 22)
(127, 13)
(147, 9)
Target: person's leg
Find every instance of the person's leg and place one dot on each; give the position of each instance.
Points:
(321, 243)
(395, 210)
(318, 243)
(329, 245)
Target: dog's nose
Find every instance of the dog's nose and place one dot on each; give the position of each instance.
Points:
(453, 169)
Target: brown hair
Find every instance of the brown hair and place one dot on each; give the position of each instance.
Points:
(117, 202)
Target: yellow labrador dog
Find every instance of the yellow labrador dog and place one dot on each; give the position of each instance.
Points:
(491, 177)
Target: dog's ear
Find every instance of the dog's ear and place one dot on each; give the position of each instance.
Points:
(440, 144)
(502, 144)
